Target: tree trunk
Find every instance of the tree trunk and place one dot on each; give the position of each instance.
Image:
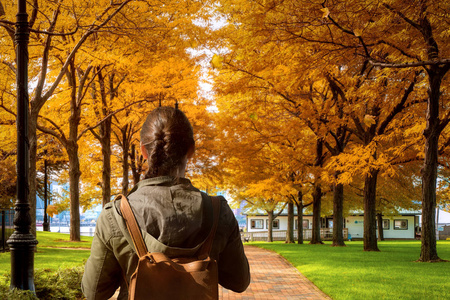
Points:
(270, 227)
(380, 226)
(72, 152)
(338, 215)
(136, 167)
(74, 181)
(370, 235)
(428, 251)
(125, 154)
(32, 173)
(300, 218)
(290, 227)
(104, 137)
(105, 134)
(317, 200)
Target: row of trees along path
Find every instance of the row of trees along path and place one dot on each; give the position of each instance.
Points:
(349, 91)
(97, 69)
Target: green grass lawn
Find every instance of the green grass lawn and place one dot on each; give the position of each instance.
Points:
(61, 240)
(350, 273)
(54, 251)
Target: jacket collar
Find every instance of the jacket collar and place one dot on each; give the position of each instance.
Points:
(161, 180)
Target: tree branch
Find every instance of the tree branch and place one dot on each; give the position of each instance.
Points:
(281, 210)
(8, 110)
(111, 114)
(54, 133)
(45, 56)
(95, 134)
(306, 205)
(61, 136)
(81, 91)
(401, 15)
(33, 14)
(399, 49)
(359, 128)
(406, 160)
(409, 65)
(10, 65)
(399, 107)
(348, 31)
(50, 33)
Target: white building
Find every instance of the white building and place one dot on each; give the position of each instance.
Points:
(404, 225)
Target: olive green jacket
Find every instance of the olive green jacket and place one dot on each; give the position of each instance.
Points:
(175, 219)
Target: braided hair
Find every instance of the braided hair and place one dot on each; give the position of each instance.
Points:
(167, 136)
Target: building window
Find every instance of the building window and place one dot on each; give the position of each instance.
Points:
(305, 224)
(256, 224)
(401, 224)
(330, 223)
(275, 224)
(386, 224)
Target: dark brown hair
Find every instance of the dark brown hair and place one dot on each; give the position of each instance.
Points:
(167, 136)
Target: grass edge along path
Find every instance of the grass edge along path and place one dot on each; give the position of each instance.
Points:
(350, 273)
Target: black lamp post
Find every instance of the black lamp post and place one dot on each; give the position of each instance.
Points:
(22, 243)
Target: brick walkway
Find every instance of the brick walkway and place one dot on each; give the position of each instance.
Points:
(273, 277)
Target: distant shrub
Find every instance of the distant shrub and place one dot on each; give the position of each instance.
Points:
(62, 284)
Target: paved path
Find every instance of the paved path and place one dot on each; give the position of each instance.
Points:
(273, 277)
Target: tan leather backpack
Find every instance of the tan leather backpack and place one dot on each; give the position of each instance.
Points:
(160, 277)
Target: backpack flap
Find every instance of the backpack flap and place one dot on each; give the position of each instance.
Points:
(159, 277)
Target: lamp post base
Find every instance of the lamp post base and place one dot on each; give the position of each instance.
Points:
(22, 247)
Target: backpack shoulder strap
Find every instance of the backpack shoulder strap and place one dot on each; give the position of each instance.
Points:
(136, 235)
(132, 226)
(207, 245)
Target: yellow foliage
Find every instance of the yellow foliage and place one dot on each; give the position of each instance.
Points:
(52, 210)
(217, 61)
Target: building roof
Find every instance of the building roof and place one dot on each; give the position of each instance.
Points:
(261, 212)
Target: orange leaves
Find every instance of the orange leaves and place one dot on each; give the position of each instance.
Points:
(358, 161)
(52, 210)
